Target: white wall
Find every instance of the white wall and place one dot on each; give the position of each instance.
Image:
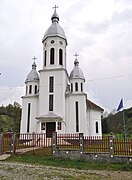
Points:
(93, 117)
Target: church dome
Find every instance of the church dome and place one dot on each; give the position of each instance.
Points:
(55, 29)
(33, 75)
(76, 73)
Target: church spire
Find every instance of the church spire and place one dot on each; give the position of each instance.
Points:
(76, 62)
(55, 17)
(34, 64)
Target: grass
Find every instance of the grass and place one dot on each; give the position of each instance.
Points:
(66, 163)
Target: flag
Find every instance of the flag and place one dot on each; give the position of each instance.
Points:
(120, 105)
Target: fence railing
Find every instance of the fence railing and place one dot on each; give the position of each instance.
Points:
(68, 141)
(122, 147)
(96, 144)
(25, 143)
(42, 144)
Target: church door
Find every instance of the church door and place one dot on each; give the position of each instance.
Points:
(50, 128)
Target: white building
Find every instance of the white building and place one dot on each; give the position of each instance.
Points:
(55, 101)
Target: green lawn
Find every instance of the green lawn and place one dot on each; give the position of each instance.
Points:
(59, 162)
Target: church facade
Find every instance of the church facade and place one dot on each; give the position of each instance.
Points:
(55, 101)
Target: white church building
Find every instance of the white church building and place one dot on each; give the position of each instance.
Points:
(54, 100)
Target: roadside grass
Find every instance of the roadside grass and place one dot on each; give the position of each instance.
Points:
(67, 163)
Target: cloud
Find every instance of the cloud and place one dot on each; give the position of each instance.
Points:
(100, 31)
(8, 95)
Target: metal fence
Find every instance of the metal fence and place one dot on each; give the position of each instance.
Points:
(38, 144)
(41, 144)
(122, 148)
(96, 144)
(68, 141)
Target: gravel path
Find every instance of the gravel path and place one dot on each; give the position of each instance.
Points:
(20, 171)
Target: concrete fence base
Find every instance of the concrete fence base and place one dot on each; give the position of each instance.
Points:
(100, 157)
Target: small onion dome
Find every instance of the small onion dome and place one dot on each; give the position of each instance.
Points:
(55, 29)
(33, 75)
(76, 73)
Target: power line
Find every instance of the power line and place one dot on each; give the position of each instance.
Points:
(111, 77)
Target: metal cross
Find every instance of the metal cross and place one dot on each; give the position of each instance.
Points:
(34, 58)
(55, 7)
(76, 55)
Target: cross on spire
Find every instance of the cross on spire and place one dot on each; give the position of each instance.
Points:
(55, 7)
(76, 55)
(34, 58)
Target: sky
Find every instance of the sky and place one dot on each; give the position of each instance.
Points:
(99, 31)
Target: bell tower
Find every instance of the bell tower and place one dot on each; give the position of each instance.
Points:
(54, 45)
(53, 75)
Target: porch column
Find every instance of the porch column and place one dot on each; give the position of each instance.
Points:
(56, 122)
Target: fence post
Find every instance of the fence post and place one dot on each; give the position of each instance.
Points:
(111, 146)
(54, 142)
(1, 144)
(81, 142)
(12, 148)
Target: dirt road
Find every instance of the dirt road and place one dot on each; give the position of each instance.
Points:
(20, 171)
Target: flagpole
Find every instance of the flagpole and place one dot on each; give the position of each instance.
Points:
(123, 112)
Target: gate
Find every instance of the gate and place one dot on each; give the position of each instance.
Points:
(35, 144)
(6, 143)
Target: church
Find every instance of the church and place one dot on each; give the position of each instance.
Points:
(54, 100)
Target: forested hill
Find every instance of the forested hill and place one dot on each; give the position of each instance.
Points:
(114, 123)
(10, 116)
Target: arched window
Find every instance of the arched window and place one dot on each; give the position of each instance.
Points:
(28, 117)
(60, 57)
(77, 116)
(81, 86)
(51, 84)
(52, 54)
(76, 86)
(45, 57)
(97, 127)
(26, 90)
(35, 90)
(30, 89)
(71, 87)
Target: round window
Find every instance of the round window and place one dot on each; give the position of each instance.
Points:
(52, 41)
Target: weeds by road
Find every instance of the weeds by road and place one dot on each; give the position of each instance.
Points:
(16, 171)
(28, 167)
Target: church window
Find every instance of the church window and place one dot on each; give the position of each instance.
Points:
(97, 128)
(76, 86)
(28, 117)
(45, 57)
(51, 84)
(43, 126)
(35, 90)
(51, 102)
(26, 90)
(77, 116)
(71, 87)
(81, 86)
(60, 57)
(52, 41)
(52, 54)
(59, 126)
(30, 89)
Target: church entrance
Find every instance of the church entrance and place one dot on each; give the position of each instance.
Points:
(50, 128)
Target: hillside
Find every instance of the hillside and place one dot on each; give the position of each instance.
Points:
(10, 116)
(114, 123)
